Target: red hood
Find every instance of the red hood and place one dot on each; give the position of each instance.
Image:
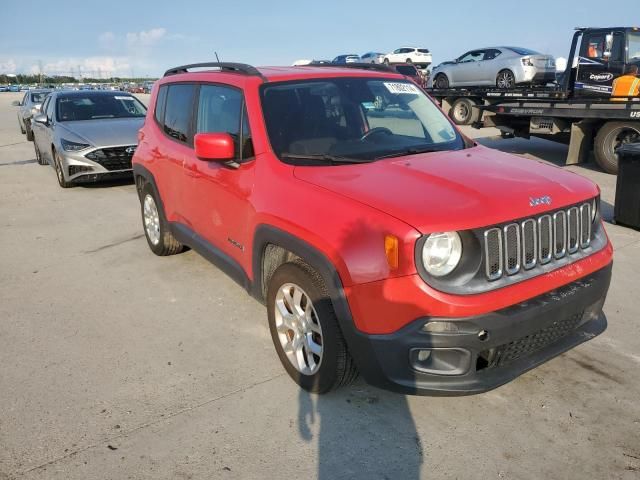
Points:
(453, 190)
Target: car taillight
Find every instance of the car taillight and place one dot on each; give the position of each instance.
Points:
(527, 62)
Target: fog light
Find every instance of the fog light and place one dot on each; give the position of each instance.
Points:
(423, 355)
(440, 361)
(440, 327)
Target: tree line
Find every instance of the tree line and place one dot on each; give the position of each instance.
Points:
(54, 80)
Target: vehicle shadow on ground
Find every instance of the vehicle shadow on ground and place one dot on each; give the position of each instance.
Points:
(107, 183)
(361, 431)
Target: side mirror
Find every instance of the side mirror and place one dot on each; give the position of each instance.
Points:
(608, 45)
(40, 119)
(16, 103)
(214, 146)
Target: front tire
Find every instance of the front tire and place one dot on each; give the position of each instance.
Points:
(39, 158)
(305, 331)
(505, 79)
(441, 81)
(156, 228)
(611, 136)
(386, 61)
(29, 132)
(62, 181)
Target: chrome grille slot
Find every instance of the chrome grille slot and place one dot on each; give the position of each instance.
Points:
(545, 239)
(585, 225)
(573, 230)
(493, 253)
(529, 244)
(559, 234)
(512, 248)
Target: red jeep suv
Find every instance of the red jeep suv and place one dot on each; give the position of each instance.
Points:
(382, 241)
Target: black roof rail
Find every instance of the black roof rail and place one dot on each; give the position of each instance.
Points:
(380, 67)
(241, 68)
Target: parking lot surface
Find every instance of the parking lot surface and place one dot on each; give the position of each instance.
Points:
(115, 363)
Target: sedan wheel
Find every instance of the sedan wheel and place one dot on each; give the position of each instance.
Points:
(59, 172)
(506, 79)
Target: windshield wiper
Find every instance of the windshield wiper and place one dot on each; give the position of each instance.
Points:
(323, 157)
(409, 151)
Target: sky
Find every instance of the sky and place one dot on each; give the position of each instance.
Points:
(138, 38)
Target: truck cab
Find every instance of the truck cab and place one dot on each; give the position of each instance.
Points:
(599, 56)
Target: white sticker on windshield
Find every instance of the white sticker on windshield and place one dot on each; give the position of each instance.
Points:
(123, 98)
(396, 87)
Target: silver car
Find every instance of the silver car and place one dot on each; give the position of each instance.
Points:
(30, 106)
(88, 135)
(372, 57)
(502, 67)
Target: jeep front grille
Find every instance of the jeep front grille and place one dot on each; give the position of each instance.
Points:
(536, 241)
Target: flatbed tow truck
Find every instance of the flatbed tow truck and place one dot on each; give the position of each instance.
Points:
(578, 109)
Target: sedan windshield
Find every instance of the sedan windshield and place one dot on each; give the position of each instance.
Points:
(38, 97)
(93, 106)
(353, 118)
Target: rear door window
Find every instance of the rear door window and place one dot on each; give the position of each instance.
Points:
(177, 114)
(160, 104)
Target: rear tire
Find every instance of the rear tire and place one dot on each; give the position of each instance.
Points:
(463, 113)
(315, 325)
(386, 61)
(441, 81)
(156, 228)
(409, 61)
(611, 136)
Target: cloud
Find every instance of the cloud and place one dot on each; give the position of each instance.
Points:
(145, 39)
(8, 66)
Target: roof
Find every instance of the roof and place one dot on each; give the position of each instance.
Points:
(285, 73)
(79, 93)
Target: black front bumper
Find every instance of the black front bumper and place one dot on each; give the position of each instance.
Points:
(496, 347)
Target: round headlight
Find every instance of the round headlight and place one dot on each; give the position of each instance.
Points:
(594, 209)
(441, 253)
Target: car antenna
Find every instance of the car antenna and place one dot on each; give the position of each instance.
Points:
(217, 59)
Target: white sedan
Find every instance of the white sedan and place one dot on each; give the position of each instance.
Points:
(420, 56)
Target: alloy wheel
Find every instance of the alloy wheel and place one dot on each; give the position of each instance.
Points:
(505, 79)
(151, 219)
(298, 328)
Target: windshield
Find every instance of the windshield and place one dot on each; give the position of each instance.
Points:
(38, 97)
(94, 106)
(634, 46)
(523, 51)
(353, 118)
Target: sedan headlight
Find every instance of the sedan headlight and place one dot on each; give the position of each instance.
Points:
(441, 253)
(73, 146)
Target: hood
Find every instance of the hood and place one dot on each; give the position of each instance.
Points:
(107, 132)
(456, 190)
